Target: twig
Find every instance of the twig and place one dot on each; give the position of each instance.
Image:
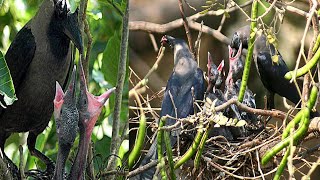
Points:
(233, 175)
(115, 140)
(206, 29)
(154, 43)
(83, 29)
(163, 28)
(291, 9)
(259, 166)
(154, 67)
(306, 81)
(21, 163)
(267, 10)
(89, 43)
(186, 27)
(223, 19)
(142, 168)
(90, 167)
(313, 168)
(301, 51)
(114, 172)
(274, 113)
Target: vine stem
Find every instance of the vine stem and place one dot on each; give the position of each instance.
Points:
(246, 72)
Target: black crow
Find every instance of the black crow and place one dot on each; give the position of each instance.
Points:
(271, 71)
(39, 56)
(178, 97)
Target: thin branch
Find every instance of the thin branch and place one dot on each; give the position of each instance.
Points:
(83, 29)
(186, 27)
(90, 167)
(142, 168)
(306, 81)
(312, 11)
(115, 141)
(274, 113)
(146, 77)
(21, 163)
(163, 28)
(153, 41)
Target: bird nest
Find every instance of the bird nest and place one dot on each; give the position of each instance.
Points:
(239, 158)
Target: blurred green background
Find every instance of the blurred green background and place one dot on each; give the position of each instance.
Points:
(105, 21)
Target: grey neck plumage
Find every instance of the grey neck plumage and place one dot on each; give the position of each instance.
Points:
(184, 64)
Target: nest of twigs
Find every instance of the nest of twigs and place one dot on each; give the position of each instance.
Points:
(238, 158)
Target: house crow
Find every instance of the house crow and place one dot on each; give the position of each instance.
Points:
(38, 57)
(271, 72)
(178, 97)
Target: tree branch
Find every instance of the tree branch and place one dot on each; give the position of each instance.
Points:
(186, 27)
(164, 28)
(115, 141)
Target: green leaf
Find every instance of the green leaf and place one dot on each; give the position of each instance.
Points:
(6, 84)
(110, 59)
(74, 4)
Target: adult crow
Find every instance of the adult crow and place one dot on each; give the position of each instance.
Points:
(39, 56)
(178, 97)
(271, 72)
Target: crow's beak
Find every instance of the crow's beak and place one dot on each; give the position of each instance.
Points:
(72, 31)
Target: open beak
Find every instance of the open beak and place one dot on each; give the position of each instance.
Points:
(95, 103)
(164, 40)
(221, 68)
(234, 53)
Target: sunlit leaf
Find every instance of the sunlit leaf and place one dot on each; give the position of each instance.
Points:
(241, 123)
(73, 5)
(6, 84)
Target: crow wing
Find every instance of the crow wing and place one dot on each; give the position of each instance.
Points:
(19, 61)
